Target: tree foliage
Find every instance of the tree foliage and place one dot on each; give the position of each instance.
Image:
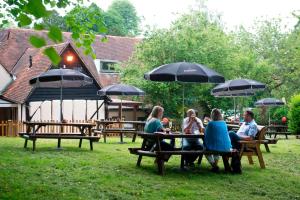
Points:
(194, 38)
(30, 12)
(121, 19)
(265, 53)
(294, 114)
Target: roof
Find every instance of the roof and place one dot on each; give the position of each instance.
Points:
(20, 89)
(15, 51)
(107, 79)
(14, 43)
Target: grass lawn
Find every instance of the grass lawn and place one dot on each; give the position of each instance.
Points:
(109, 172)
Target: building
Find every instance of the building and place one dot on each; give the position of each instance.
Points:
(19, 62)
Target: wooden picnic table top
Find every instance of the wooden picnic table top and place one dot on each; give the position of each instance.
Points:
(171, 135)
(60, 123)
(277, 126)
(120, 122)
(228, 125)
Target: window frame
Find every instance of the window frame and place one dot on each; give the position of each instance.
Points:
(107, 61)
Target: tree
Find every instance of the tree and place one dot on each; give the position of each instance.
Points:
(294, 114)
(29, 12)
(195, 37)
(115, 23)
(55, 20)
(121, 17)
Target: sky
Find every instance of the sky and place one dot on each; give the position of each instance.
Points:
(161, 13)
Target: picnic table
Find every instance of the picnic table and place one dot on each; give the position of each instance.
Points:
(230, 126)
(85, 132)
(233, 126)
(159, 154)
(278, 130)
(119, 127)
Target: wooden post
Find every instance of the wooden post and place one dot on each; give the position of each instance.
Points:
(97, 110)
(135, 107)
(120, 117)
(9, 128)
(27, 111)
(51, 110)
(106, 113)
(41, 112)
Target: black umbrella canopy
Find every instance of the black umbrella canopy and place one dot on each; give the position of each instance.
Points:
(184, 72)
(61, 78)
(240, 94)
(121, 89)
(238, 87)
(66, 78)
(269, 102)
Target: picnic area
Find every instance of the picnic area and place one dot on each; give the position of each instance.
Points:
(108, 172)
(137, 99)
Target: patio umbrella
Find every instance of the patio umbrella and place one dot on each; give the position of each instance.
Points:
(237, 88)
(184, 72)
(121, 90)
(61, 78)
(269, 102)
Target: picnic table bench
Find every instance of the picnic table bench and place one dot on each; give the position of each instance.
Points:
(278, 130)
(159, 154)
(32, 133)
(105, 128)
(251, 148)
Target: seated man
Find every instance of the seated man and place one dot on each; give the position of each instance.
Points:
(191, 125)
(247, 131)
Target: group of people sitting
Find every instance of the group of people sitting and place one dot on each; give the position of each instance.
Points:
(216, 135)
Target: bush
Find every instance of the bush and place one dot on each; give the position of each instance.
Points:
(294, 114)
(278, 112)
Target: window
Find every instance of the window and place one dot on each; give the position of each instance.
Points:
(108, 66)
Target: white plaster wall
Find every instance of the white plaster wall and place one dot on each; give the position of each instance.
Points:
(45, 111)
(5, 78)
(67, 109)
(79, 107)
(32, 109)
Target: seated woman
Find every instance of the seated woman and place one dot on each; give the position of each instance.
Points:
(216, 138)
(191, 125)
(153, 124)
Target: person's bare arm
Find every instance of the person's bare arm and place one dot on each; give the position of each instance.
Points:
(186, 130)
(246, 137)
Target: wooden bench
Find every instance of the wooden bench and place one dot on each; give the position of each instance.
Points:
(278, 130)
(119, 131)
(252, 147)
(159, 154)
(267, 141)
(58, 136)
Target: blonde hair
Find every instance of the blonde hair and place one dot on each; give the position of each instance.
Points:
(190, 112)
(216, 115)
(155, 112)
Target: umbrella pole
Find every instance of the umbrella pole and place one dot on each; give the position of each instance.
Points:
(234, 108)
(121, 108)
(61, 102)
(183, 101)
(269, 116)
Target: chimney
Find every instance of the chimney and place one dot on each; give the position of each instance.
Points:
(30, 61)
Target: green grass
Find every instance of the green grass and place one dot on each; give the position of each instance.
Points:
(109, 172)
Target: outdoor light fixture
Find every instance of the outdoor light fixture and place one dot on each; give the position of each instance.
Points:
(70, 58)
